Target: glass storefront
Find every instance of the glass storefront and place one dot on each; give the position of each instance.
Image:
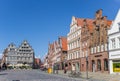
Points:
(116, 66)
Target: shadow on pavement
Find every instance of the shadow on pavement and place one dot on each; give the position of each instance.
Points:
(3, 73)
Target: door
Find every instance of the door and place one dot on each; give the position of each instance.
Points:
(93, 66)
(77, 67)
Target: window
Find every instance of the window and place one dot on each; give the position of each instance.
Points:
(77, 43)
(72, 46)
(94, 49)
(74, 55)
(113, 43)
(69, 46)
(116, 65)
(91, 50)
(68, 56)
(77, 54)
(83, 54)
(118, 42)
(86, 43)
(98, 50)
(99, 65)
(71, 56)
(101, 48)
(106, 47)
(105, 64)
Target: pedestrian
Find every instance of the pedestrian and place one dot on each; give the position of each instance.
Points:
(0, 68)
(65, 68)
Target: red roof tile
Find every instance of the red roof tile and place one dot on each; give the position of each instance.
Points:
(64, 43)
(79, 21)
(109, 22)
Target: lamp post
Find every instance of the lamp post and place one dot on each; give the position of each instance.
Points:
(86, 67)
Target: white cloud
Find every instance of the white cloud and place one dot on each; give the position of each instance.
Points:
(37, 56)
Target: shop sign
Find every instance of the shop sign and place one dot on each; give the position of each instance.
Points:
(98, 55)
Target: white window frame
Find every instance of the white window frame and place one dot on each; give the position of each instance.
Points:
(113, 43)
(118, 42)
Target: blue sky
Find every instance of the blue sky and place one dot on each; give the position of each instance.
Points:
(42, 21)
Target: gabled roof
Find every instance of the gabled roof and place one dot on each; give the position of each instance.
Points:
(51, 46)
(64, 43)
(115, 24)
(79, 21)
(90, 24)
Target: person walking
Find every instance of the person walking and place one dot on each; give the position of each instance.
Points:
(65, 68)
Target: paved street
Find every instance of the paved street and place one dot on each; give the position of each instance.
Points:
(35, 75)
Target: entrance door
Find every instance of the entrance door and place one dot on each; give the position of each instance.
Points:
(93, 66)
(77, 67)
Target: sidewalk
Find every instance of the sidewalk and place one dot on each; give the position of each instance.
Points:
(102, 76)
(95, 75)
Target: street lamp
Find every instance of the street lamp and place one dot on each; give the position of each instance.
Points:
(86, 67)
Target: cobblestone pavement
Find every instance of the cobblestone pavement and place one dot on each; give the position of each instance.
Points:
(37, 75)
(97, 76)
(103, 76)
(32, 75)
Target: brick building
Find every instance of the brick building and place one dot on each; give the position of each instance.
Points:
(98, 43)
(85, 44)
(61, 52)
(73, 43)
(57, 53)
(50, 55)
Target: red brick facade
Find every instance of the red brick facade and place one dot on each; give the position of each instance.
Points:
(57, 53)
(86, 43)
(94, 58)
(94, 43)
(98, 43)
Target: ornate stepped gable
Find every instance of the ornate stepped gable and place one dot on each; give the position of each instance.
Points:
(100, 28)
(26, 53)
(95, 29)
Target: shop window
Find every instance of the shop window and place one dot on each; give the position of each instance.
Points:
(116, 66)
(105, 64)
(99, 64)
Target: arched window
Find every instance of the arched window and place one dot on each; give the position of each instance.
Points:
(105, 64)
(99, 64)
